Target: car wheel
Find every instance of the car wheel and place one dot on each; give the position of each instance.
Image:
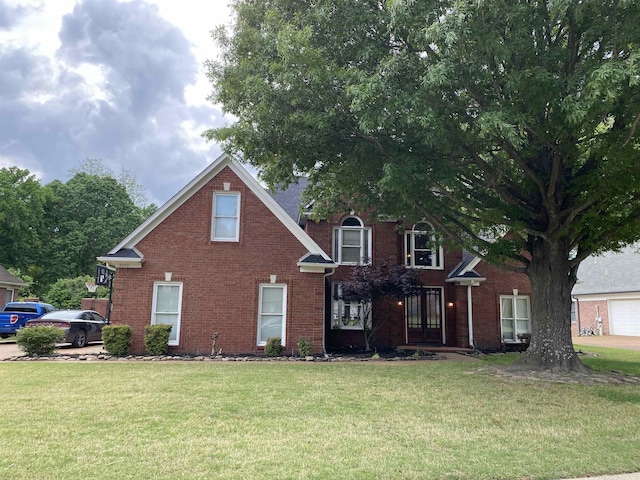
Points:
(81, 339)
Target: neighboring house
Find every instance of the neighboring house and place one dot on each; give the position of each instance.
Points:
(9, 286)
(223, 256)
(606, 297)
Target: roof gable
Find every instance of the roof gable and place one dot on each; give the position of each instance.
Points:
(123, 250)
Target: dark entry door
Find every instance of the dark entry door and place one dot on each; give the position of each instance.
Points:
(424, 316)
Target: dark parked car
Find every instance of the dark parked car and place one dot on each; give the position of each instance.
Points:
(80, 326)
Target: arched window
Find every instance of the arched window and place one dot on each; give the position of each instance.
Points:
(352, 242)
(421, 247)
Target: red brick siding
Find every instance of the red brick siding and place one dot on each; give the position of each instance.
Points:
(586, 313)
(99, 305)
(486, 302)
(388, 245)
(221, 279)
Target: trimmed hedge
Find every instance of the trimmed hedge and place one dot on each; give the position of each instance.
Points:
(117, 339)
(156, 339)
(39, 340)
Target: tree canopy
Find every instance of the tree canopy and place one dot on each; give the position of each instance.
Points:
(481, 117)
(22, 205)
(56, 231)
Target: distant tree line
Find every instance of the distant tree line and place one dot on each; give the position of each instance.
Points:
(55, 232)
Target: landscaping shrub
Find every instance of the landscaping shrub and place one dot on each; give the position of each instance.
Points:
(39, 340)
(117, 339)
(304, 347)
(156, 339)
(274, 347)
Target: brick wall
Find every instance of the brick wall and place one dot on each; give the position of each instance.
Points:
(99, 305)
(586, 313)
(486, 302)
(388, 245)
(221, 280)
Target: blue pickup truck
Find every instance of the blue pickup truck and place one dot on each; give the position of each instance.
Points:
(15, 314)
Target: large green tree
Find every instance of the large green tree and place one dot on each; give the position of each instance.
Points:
(22, 208)
(511, 125)
(90, 215)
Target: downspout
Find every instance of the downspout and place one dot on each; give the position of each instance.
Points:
(470, 315)
(324, 307)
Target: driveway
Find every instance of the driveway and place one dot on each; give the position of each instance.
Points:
(10, 349)
(611, 341)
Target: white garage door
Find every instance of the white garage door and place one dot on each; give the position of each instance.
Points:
(625, 317)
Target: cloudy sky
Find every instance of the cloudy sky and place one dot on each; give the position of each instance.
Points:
(121, 81)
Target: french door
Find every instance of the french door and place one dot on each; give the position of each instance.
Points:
(424, 316)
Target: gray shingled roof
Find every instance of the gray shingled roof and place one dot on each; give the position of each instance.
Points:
(124, 253)
(290, 199)
(611, 272)
(7, 279)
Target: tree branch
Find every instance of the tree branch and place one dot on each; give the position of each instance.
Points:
(634, 125)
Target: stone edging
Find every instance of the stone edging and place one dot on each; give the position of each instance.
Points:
(209, 358)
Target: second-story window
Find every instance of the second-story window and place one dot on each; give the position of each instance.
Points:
(226, 217)
(352, 242)
(421, 248)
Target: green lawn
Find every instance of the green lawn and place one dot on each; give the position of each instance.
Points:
(393, 420)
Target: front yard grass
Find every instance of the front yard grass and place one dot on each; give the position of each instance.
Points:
(392, 420)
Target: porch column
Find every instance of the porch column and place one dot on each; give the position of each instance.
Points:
(470, 315)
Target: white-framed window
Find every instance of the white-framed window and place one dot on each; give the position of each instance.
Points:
(352, 242)
(515, 316)
(272, 316)
(225, 222)
(8, 296)
(348, 314)
(167, 307)
(421, 249)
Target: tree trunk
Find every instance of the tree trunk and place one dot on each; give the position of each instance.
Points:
(551, 277)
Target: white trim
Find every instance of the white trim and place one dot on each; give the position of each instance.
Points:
(13, 292)
(283, 333)
(470, 315)
(409, 255)
(202, 179)
(336, 323)
(473, 282)
(594, 297)
(214, 197)
(121, 262)
(515, 319)
(153, 308)
(365, 234)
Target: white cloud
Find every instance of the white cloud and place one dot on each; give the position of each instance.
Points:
(119, 81)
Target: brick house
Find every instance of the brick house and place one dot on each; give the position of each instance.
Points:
(9, 286)
(223, 256)
(606, 297)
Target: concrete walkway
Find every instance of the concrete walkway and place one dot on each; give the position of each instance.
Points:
(9, 349)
